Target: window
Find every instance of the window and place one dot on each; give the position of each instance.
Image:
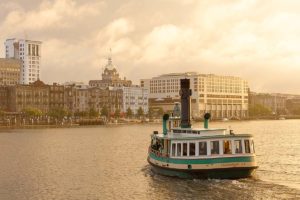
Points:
(184, 149)
(214, 147)
(173, 149)
(252, 146)
(178, 149)
(202, 149)
(192, 149)
(238, 146)
(227, 147)
(247, 146)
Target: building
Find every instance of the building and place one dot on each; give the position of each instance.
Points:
(56, 97)
(222, 96)
(110, 77)
(276, 103)
(3, 98)
(29, 52)
(135, 97)
(293, 106)
(9, 71)
(35, 95)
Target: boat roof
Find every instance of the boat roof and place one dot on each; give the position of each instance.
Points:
(200, 129)
(179, 133)
(197, 137)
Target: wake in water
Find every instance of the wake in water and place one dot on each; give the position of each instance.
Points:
(250, 188)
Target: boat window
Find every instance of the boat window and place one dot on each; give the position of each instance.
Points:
(227, 147)
(238, 146)
(198, 132)
(183, 131)
(252, 146)
(184, 149)
(178, 149)
(192, 149)
(173, 149)
(202, 148)
(247, 146)
(176, 131)
(195, 132)
(214, 147)
(189, 131)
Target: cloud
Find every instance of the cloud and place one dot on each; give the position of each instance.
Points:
(253, 39)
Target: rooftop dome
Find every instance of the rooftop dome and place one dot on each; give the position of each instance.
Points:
(109, 64)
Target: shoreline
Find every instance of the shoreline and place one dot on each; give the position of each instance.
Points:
(36, 126)
(43, 126)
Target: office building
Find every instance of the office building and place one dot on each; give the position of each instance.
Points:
(222, 96)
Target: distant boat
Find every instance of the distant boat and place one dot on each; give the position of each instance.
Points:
(281, 118)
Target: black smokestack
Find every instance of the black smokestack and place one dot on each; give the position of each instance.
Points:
(185, 94)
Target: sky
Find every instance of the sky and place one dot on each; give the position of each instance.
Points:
(256, 40)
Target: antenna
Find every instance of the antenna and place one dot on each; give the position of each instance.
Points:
(109, 57)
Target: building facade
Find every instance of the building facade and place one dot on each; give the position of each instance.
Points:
(56, 96)
(110, 77)
(29, 52)
(135, 97)
(9, 71)
(3, 98)
(94, 98)
(22, 97)
(276, 103)
(222, 96)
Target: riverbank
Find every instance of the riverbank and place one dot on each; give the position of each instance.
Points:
(37, 126)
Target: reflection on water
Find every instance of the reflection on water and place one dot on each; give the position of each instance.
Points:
(110, 163)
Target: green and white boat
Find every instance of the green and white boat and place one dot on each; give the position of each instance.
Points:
(187, 152)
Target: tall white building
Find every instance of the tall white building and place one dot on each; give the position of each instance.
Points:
(29, 52)
(222, 96)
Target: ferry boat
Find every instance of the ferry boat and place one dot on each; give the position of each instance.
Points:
(184, 151)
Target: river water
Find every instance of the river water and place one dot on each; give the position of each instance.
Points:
(109, 162)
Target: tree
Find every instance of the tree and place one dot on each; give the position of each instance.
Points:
(58, 113)
(140, 112)
(160, 112)
(129, 112)
(150, 112)
(117, 113)
(259, 110)
(93, 113)
(77, 113)
(32, 112)
(84, 113)
(1, 113)
(104, 111)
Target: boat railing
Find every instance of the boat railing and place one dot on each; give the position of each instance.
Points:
(158, 153)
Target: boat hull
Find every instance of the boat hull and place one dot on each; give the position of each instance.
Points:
(220, 171)
(228, 173)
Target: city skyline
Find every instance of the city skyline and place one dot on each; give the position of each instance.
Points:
(250, 39)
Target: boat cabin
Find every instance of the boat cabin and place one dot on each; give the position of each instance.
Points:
(183, 146)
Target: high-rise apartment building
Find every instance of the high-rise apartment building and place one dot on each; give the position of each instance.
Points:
(222, 96)
(29, 52)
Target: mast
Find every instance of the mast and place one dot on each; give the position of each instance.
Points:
(185, 93)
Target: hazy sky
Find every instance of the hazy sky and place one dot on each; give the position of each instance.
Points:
(257, 40)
